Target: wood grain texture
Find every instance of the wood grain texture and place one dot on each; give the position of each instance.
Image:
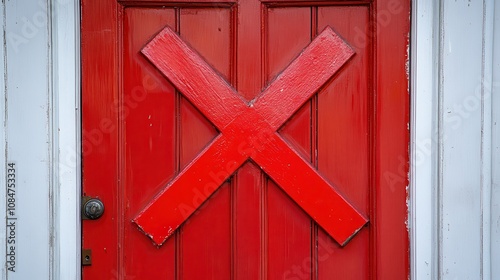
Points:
(205, 237)
(288, 32)
(148, 140)
(316, 64)
(194, 77)
(391, 140)
(344, 113)
(278, 136)
(100, 154)
(319, 61)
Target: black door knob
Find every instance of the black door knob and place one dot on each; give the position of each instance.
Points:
(93, 208)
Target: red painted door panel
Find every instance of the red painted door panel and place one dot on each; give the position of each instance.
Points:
(246, 140)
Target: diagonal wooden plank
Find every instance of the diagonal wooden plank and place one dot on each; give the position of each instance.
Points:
(191, 188)
(297, 177)
(239, 125)
(319, 61)
(194, 77)
(309, 190)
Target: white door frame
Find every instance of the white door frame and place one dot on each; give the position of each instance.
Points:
(65, 28)
(452, 180)
(424, 134)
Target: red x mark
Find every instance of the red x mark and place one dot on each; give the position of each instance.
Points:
(239, 123)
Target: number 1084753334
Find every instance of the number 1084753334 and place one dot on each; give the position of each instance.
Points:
(11, 217)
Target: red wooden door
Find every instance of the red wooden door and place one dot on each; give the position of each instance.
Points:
(246, 139)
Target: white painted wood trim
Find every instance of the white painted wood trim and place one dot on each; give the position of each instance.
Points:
(3, 136)
(424, 137)
(66, 89)
(28, 136)
(40, 132)
(486, 135)
(495, 194)
(465, 71)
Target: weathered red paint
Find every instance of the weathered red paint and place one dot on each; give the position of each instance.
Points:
(139, 132)
(248, 131)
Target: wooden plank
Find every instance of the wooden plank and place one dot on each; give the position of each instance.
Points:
(460, 142)
(205, 247)
(345, 111)
(194, 78)
(149, 140)
(494, 92)
(321, 201)
(249, 227)
(246, 128)
(322, 58)
(99, 34)
(249, 76)
(391, 139)
(424, 140)
(289, 247)
(67, 164)
(487, 138)
(206, 240)
(248, 223)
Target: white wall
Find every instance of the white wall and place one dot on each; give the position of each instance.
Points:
(28, 137)
(461, 117)
(455, 149)
(39, 134)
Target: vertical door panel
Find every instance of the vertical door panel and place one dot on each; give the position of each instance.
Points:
(206, 237)
(289, 228)
(100, 154)
(249, 223)
(288, 33)
(208, 31)
(249, 49)
(344, 115)
(205, 251)
(148, 116)
(391, 139)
